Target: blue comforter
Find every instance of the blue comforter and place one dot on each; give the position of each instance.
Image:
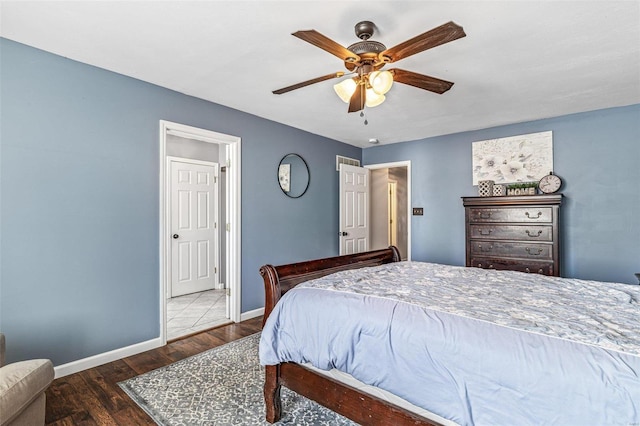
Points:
(471, 345)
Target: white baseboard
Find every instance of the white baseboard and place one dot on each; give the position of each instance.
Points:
(251, 314)
(103, 358)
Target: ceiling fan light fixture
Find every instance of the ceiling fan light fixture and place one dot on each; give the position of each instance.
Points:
(381, 81)
(365, 58)
(373, 99)
(345, 89)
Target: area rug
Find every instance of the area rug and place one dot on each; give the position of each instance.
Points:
(222, 386)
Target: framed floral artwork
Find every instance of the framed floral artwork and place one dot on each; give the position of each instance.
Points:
(523, 158)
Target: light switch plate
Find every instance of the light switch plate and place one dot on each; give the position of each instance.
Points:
(418, 211)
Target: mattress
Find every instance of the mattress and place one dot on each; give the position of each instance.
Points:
(473, 346)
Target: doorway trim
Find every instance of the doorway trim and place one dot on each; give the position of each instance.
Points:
(406, 164)
(392, 205)
(233, 214)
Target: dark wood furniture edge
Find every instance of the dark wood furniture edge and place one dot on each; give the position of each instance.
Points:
(551, 199)
(346, 400)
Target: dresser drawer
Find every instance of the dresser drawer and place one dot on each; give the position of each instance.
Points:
(544, 268)
(521, 214)
(512, 232)
(512, 249)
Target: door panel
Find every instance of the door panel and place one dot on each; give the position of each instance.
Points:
(203, 210)
(204, 257)
(193, 227)
(354, 209)
(184, 262)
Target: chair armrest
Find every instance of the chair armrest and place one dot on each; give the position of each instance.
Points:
(21, 383)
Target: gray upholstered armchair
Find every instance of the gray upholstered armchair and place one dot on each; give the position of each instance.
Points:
(22, 386)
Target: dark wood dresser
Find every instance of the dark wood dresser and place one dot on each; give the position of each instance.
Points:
(515, 233)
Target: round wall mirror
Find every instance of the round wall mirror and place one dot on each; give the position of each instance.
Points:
(293, 175)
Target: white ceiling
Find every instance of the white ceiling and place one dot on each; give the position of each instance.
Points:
(520, 61)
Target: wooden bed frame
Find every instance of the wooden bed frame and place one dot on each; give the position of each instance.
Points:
(346, 400)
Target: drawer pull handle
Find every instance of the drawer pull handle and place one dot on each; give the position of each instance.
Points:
(481, 232)
(490, 266)
(487, 249)
(532, 217)
(532, 234)
(528, 249)
(484, 215)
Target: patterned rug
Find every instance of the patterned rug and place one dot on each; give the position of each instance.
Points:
(222, 386)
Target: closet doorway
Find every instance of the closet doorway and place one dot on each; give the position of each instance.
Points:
(200, 272)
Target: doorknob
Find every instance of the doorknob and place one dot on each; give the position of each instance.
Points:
(343, 234)
(176, 236)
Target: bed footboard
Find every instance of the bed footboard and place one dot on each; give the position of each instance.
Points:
(280, 279)
(361, 408)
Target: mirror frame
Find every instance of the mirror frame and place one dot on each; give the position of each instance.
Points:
(308, 175)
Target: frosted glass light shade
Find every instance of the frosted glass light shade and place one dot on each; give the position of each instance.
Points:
(373, 99)
(381, 81)
(345, 89)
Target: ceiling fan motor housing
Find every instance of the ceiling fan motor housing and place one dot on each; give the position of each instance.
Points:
(367, 46)
(368, 51)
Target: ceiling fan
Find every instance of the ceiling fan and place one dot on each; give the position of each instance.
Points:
(366, 58)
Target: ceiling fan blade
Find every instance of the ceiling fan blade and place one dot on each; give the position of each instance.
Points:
(432, 38)
(421, 81)
(356, 103)
(308, 82)
(325, 43)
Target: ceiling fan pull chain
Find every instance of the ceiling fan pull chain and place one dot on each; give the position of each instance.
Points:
(363, 114)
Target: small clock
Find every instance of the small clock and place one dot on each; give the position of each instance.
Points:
(549, 183)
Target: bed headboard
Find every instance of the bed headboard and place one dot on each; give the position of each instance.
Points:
(280, 279)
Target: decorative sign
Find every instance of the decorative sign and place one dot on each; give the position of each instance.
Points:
(521, 191)
(521, 158)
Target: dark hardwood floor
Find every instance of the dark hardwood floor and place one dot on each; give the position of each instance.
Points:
(93, 397)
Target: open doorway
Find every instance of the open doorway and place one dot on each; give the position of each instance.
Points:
(195, 293)
(390, 195)
(200, 233)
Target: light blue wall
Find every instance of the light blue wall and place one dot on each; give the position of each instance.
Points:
(596, 153)
(79, 202)
(79, 199)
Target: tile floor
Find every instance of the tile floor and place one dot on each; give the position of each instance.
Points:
(195, 312)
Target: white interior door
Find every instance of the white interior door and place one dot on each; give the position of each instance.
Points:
(354, 209)
(194, 213)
